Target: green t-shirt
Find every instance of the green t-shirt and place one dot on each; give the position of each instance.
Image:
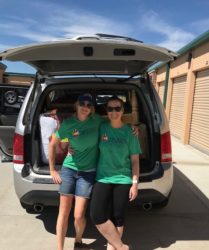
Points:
(116, 147)
(83, 138)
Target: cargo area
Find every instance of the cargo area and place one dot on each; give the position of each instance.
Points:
(56, 103)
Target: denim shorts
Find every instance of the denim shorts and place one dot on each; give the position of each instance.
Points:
(78, 183)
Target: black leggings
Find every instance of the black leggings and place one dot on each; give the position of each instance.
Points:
(109, 201)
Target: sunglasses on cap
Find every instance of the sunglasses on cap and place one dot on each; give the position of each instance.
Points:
(111, 109)
(85, 104)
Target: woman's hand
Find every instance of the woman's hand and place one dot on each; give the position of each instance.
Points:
(135, 130)
(133, 192)
(70, 150)
(55, 176)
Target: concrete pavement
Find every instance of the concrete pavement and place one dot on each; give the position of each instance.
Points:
(182, 225)
(193, 164)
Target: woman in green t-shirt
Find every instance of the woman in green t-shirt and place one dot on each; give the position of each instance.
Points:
(117, 175)
(77, 175)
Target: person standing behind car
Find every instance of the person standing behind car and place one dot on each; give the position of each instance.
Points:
(78, 171)
(117, 175)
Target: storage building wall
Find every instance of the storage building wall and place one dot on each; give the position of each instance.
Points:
(199, 131)
(177, 106)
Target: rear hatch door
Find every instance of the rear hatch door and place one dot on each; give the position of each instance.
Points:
(89, 55)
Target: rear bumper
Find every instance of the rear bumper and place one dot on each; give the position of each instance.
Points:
(159, 187)
(40, 188)
(151, 196)
(46, 198)
(30, 191)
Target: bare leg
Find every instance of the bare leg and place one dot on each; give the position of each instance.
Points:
(110, 232)
(120, 231)
(79, 217)
(62, 220)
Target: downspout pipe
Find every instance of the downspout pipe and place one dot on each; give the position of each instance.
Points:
(166, 84)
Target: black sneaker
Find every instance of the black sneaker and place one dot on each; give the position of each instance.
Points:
(80, 245)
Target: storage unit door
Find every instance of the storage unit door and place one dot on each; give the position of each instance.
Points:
(161, 90)
(199, 131)
(177, 106)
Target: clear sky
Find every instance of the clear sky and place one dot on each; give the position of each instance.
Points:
(168, 23)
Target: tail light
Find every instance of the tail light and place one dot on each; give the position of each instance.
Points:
(166, 152)
(18, 149)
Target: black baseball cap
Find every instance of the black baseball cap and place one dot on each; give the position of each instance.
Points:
(86, 97)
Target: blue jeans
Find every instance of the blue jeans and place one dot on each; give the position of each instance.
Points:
(78, 183)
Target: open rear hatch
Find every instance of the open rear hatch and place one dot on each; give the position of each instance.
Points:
(89, 55)
(61, 96)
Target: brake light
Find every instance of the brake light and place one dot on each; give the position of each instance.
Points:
(18, 149)
(166, 152)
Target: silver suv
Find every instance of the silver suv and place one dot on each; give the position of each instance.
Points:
(102, 65)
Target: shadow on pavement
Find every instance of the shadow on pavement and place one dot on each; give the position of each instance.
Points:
(186, 218)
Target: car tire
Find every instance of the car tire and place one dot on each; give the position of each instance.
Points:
(10, 97)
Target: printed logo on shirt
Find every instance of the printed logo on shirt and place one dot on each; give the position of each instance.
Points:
(111, 140)
(75, 133)
(65, 140)
(117, 140)
(104, 137)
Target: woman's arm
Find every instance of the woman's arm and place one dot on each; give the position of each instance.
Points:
(52, 153)
(135, 176)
